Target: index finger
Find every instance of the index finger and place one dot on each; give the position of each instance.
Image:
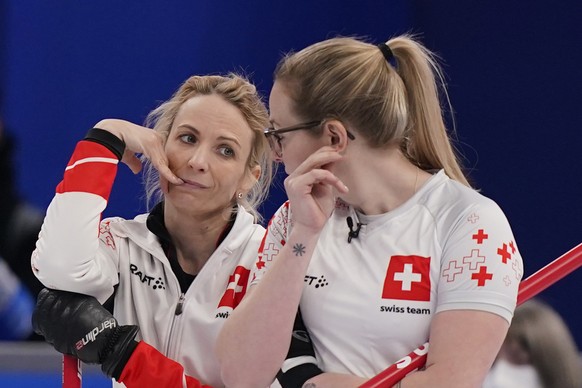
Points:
(164, 170)
(160, 162)
(319, 159)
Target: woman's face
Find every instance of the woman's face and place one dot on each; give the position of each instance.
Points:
(296, 145)
(208, 148)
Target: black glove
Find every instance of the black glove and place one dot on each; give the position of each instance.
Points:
(79, 325)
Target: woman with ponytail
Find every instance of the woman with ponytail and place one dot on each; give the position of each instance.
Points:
(383, 244)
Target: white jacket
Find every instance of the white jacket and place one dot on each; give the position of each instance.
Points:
(76, 252)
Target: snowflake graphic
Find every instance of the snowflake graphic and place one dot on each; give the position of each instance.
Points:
(299, 249)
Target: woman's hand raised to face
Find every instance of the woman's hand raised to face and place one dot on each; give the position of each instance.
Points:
(140, 140)
(310, 189)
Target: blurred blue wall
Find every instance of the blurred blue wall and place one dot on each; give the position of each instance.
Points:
(513, 70)
(515, 81)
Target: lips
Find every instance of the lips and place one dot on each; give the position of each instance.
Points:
(194, 184)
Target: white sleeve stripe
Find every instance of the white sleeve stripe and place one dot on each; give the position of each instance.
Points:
(92, 160)
(293, 362)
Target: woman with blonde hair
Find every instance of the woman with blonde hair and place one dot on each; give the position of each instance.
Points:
(383, 244)
(538, 352)
(177, 272)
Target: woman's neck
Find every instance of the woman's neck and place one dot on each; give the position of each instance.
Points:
(380, 180)
(194, 236)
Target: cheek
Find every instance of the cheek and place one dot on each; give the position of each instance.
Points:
(170, 155)
(231, 177)
(177, 158)
(164, 185)
(292, 160)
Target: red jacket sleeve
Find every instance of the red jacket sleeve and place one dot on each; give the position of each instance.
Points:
(147, 367)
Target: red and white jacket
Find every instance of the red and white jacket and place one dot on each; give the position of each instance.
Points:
(78, 252)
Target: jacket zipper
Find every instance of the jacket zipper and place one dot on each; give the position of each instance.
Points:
(177, 312)
(180, 305)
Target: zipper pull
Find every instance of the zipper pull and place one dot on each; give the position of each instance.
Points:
(180, 305)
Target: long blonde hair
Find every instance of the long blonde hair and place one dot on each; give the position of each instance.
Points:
(349, 79)
(238, 91)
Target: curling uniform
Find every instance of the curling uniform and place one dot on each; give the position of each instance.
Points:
(135, 261)
(369, 302)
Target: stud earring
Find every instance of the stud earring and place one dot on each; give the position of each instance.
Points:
(240, 195)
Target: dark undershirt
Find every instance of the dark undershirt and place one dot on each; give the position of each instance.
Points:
(155, 224)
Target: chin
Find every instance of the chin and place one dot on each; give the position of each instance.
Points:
(288, 169)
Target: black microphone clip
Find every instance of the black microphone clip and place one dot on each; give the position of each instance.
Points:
(353, 233)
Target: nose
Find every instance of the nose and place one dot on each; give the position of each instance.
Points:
(199, 159)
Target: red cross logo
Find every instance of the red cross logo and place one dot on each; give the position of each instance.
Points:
(407, 278)
(482, 276)
(480, 236)
(236, 288)
(504, 253)
(452, 270)
(512, 246)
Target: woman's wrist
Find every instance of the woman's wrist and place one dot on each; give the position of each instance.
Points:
(112, 126)
(107, 139)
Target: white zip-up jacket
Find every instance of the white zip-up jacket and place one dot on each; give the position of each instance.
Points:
(78, 252)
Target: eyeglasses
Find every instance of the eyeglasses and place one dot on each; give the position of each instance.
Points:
(274, 138)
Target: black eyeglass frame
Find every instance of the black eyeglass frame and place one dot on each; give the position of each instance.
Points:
(271, 133)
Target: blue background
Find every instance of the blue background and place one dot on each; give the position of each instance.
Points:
(513, 70)
(49, 379)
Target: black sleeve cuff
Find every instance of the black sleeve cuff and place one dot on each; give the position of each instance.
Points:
(107, 139)
(300, 346)
(123, 359)
(296, 377)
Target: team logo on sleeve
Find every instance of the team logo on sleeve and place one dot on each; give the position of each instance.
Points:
(506, 251)
(276, 230)
(480, 236)
(407, 278)
(482, 276)
(237, 286)
(105, 234)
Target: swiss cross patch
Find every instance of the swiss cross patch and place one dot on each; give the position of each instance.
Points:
(237, 286)
(407, 278)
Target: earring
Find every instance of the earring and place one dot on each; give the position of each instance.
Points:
(240, 195)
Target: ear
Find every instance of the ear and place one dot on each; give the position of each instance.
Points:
(337, 134)
(251, 178)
